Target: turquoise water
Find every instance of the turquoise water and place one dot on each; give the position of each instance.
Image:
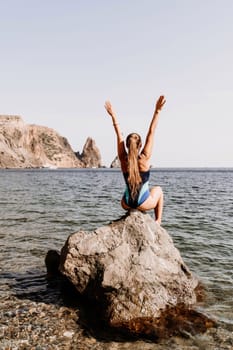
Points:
(40, 208)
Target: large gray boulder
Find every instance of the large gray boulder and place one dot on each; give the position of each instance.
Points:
(131, 268)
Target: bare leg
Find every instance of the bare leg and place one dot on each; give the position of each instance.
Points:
(155, 201)
(159, 209)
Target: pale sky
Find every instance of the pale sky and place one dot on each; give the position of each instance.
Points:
(60, 61)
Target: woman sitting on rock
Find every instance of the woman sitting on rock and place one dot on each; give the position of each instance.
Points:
(136, 167)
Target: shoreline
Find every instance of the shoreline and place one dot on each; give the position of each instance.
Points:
(50, 324)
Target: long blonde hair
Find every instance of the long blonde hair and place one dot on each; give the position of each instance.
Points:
(133, 143)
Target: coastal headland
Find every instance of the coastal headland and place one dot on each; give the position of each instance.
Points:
(32, 146)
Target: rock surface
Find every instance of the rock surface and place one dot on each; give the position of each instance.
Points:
(131, 269)
(90, 155)
(32, 146)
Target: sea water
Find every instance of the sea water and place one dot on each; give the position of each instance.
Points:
(40, 208)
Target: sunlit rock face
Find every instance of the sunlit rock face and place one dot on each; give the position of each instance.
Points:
(32, 146)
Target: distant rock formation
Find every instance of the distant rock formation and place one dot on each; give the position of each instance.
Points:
(90, 155)
(32, 146)
(115, 163)
(133, 271)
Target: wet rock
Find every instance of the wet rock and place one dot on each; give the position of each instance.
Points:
(52, 261)
(173, 321)
(133, 272)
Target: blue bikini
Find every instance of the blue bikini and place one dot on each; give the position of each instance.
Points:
(143, 192)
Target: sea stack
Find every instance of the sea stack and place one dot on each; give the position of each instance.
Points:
(90, 156)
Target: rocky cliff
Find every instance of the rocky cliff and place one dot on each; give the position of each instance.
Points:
(31, 146)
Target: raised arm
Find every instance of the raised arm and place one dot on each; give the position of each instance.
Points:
(120, 141)
(147, 150)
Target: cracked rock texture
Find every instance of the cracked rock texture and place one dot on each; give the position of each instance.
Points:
(132, 270)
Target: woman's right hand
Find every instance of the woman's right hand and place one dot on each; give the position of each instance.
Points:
(160, 102)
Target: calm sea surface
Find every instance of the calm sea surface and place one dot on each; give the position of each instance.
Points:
(40, 208)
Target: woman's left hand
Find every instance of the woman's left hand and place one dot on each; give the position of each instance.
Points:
(108, 108)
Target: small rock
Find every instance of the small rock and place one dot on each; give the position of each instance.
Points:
(68, 334)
